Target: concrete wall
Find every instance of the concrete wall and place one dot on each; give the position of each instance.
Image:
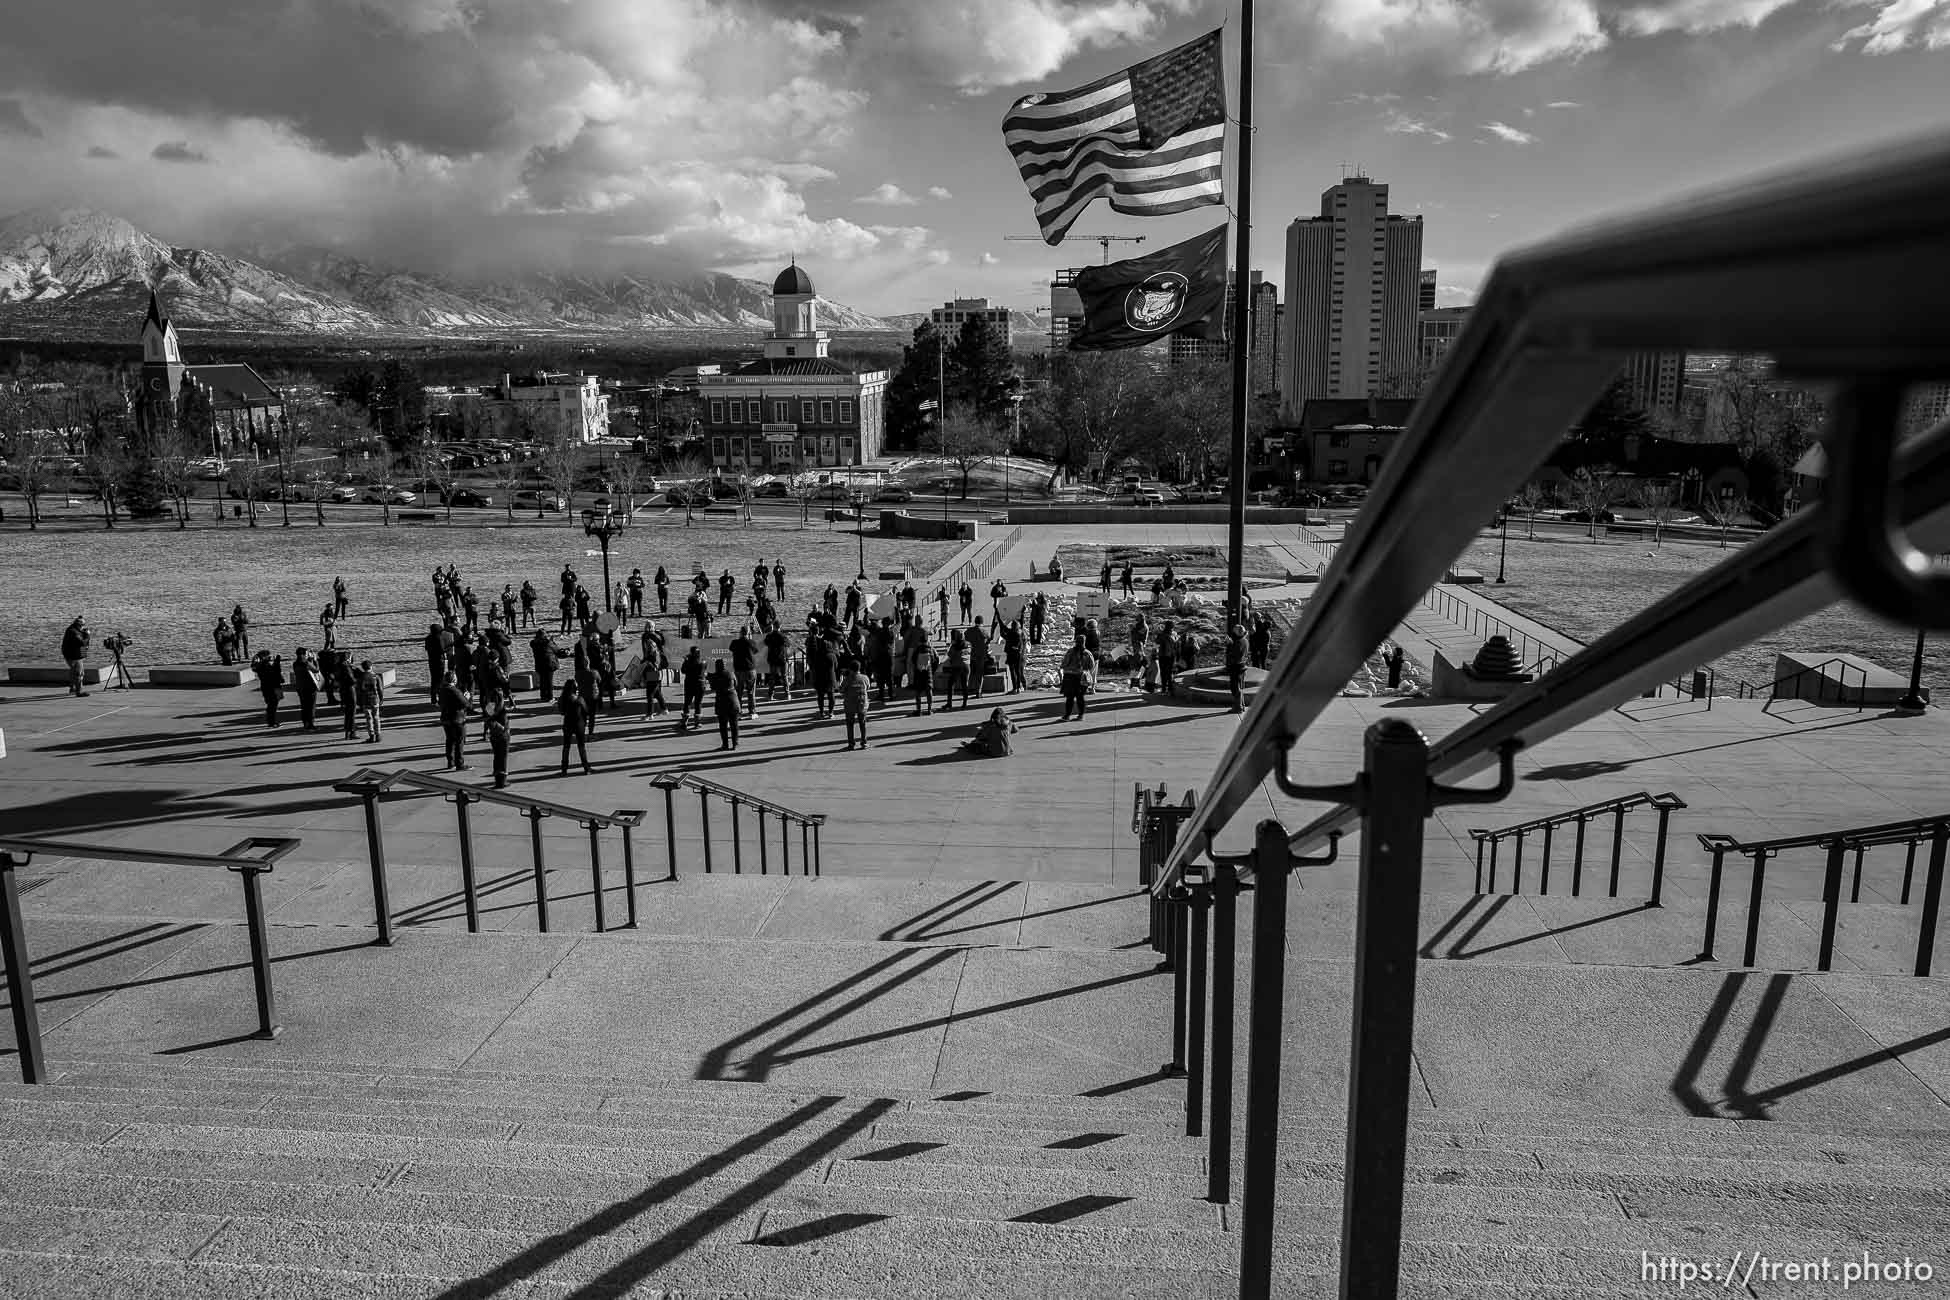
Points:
(898, 523)
(1149, 515)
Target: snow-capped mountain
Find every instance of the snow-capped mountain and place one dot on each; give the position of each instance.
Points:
(78, 267)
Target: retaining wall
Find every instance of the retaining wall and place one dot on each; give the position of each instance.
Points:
(1152, 515)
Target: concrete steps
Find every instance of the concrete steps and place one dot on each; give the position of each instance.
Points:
(137, 1176)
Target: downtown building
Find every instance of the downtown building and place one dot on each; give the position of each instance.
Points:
(1263, 318)
(1353, 295)
(950, 316)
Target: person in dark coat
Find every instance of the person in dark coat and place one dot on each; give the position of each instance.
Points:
(1079, 670)
(582, 657)
(508, 599)
(1260, 643)
(692, 671)
(1129, 581)
(339, 602)
(941, 599)
(240, 623)
(852, 603)
(880, 657)
(996, 593)
(226, 643)
(654, 664)
(348, 689)
(761, 578)
(726, 585)
(528, 599)
(1236, 652)
(724, 703)
(453, 721)
(1168, 657)
(370, 691)
(821, 669)
(1038, 618)
(439, 645)
(461, 662)
(957, 669)
(635, 586)
(270, 680)
(744, 670)
(305, 680)
(978, 655)
(568, 609)
(575, 716)
(831, 601)
(778, 580)
(778, 648)
(328, 672)
(546, 662)
(967, 597)
(584, 611)
(1012, 656)
(920, 670)
(471, 605)
(495, 714)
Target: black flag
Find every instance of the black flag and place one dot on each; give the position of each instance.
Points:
(1179, 290)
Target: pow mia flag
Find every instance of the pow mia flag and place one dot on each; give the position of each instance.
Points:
(1178, 290)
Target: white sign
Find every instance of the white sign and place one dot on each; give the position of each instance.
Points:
(1009, 608)
(1093, 604)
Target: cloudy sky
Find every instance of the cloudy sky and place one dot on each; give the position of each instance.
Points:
(478, 136)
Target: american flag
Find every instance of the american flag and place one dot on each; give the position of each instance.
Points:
(1151, 138)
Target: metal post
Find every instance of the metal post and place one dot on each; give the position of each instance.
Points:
(1659, 860)
(1381, 1057)
(595, 830)
(670, 828)
(1932, 899)
(1544, 869)
(467, 863)
(785, 845)
(1195, 1032)
(267, 1007)
(1855, 890)
(376, 850)
(805, 848)
(1577, 859)
(629, 876)
(535, 816)
(737, 851)
(1495, 843)
(818, 859)
(1712, 905)
(1753, 905)
(20, 976)
(1179, 930)
(1909, 870)
(1831, 903)
(1264, 1027)
(763, 852)
(1479, 863)
(704, 822)
(1516, 867)
(1218, 1162)
(1617, 845)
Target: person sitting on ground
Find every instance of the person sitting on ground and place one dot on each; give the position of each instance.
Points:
(226, 643)
(991, 739)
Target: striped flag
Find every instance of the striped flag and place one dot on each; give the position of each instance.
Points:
(1150, 138)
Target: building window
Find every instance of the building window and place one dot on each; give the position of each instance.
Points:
(781, 412)
(791, 351)
(1336, 469)
(1337, 440)
(717, 449)
(717, 412)
(806, 412)
(826, 412)
(846, 411)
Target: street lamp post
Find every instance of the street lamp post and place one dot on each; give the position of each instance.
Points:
(603, 525)
(1503, 551)
(1912, 699)
(859, 496)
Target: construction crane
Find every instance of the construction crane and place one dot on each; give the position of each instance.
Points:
(1105, 240)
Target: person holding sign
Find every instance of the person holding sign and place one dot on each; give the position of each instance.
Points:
(1079, 671)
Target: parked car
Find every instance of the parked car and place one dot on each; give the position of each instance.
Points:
(427, 484)
(776, 488)
(344, 495)
(528, 499)
(383, 495)
(1585, 517)
(830, 492)
(725, 489)
(1148, 498)
(688, 495)
(893, 492)
(468, 497)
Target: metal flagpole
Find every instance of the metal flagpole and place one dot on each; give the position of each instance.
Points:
(1241, 319)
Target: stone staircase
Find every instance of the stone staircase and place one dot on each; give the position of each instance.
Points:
(147, 1177)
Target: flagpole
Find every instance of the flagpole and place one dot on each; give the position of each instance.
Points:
(1241, 321)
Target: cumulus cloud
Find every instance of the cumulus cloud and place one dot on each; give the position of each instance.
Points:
(1450, 36)
(1649, 17)
(1564, 103)
(1509, 134)
(14, 120)
(178, 151)
(978, 45)
(939, 192)
(888, 195)
(1399, 123)
(987, 259)
(1902, 23)
(101, 151)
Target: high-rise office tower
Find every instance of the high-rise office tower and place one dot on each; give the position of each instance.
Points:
(1353, 285)
(1657, 378)
(1266, 336)
(1427, 289)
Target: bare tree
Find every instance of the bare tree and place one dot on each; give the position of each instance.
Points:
(1723, 513)
(35, 465)
(438, 469)
(246, 477)
(284, 439)
(1530, 496)
(1594, 487)
(691, 469)
(1193, 418)
(964, 440)
(1658, 500)
(561, 463)
(104, 464)
(629, 478)
(1099, 403)
(176, 450)
(508, 476)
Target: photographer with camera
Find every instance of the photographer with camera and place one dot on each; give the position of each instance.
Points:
(115, 645)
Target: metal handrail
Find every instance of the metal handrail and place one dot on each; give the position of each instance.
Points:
(811, 858)
(369, 783)
(249, 858)
(1756, 269)
(1666, 804)
(1910, 832)
(1747, 690)
(1478, 621)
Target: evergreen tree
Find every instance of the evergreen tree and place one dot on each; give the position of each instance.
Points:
(913, 386)
(1615, 413)
(981, 374)
(196, 419)
(402, 403)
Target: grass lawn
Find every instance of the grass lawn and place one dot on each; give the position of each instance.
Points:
(1585, 588)
(165, 589)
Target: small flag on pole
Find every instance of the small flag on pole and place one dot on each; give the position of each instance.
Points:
(1177, 290)
(1150, 138)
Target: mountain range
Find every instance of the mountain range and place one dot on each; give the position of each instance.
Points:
(76, 269)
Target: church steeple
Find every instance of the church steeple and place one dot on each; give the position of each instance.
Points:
(162, 368)
(159, 346)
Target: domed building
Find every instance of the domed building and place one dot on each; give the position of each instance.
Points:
(795, 408)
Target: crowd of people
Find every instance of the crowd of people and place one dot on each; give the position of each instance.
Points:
(850, 652)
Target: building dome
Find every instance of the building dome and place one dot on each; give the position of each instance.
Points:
(792, 280)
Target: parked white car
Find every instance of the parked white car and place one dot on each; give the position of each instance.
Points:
(391, 496)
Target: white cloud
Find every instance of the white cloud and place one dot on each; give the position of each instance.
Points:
(979, 45)
(987, 259)
(1398, 123)
(1902, 23)
(1564, 103)
(1510, 134)
(1649, 17)
(1456, 36)
(939, 192)
(888, 195)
